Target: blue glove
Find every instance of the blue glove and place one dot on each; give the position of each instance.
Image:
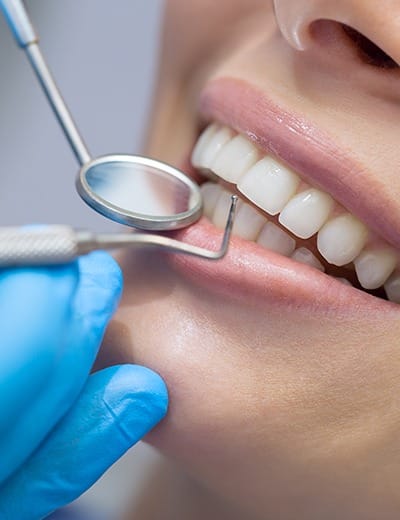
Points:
(60, 428)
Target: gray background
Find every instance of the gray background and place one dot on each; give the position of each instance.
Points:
(104, 56)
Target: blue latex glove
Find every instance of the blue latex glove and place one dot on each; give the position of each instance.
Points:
(60, 428)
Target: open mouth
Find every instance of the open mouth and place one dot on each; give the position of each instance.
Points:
(282, 212)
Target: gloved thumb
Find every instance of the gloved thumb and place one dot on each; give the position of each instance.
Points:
(117, 407)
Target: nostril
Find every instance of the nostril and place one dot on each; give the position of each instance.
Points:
(370, 53)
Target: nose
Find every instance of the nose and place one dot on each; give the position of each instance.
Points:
(379, 21)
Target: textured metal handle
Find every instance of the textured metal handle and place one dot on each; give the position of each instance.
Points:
(41, 246)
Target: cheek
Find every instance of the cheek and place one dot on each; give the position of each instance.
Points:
(194, 31)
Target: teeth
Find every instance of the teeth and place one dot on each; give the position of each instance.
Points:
(374, 267)
(306, 213)
(304, 256)
(248, 222)
(274, 238)
(269, 185)
(392, 287)
(234, 159)
(211, 193)
(221, 209)
(210, 146)
(341, 239)
(202, 144)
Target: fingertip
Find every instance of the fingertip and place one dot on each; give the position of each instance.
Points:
(150, 384)
(103, 268)
(100, 269)
(138, 397)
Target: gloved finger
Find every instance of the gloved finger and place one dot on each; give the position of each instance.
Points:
(117, 407)
(34, 308)
(94, 303)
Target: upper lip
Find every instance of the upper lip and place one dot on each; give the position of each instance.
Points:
(306, 149)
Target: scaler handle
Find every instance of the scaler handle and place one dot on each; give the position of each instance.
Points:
(49, 245)
(19, 22)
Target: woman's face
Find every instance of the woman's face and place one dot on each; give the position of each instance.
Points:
(284, 381)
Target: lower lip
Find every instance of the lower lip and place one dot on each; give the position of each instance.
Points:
(257, 276)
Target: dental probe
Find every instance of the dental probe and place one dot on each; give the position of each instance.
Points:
(52, 245)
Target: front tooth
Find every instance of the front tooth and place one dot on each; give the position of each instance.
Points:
(234, 159)
(392, 287)
(211, 193)
(202, 144)
(248, 222)
(304, 256)
(306, 213)
(213, 143)
(221, 209)
(341, 239)
(269, 185)
(373, 267)
(274, 238)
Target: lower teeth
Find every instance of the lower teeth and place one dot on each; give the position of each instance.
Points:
(251, 225)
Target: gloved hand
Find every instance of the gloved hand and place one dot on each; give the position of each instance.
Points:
(60, 428)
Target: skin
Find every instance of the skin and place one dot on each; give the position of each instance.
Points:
(275, 413)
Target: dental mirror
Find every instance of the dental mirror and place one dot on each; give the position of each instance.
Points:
(140, 192)
(132, 190)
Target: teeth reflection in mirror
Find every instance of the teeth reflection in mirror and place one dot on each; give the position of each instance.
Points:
(273, 238)
(248, 222)
(234, 159)
(306, 213)
(341, 239)
(373, 267)
(222, 209)
(304, 256)
(269, 185)
(202, 144)
(392, 287)
(211, 149)
(211, 193)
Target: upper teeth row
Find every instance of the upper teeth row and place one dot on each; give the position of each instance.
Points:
(302, 209)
